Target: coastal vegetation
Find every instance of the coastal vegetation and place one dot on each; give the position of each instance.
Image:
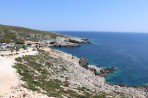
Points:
(9, 34)
(36, 73)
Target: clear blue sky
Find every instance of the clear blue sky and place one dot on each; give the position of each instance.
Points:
(76, 15)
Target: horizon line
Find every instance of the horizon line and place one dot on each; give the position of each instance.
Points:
(77, 30)
(96, 31)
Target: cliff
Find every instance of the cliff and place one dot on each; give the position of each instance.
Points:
(58, 74)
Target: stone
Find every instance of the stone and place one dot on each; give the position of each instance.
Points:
(83, 62)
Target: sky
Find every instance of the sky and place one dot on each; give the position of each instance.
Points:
(76, 15)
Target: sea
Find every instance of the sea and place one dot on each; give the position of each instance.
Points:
(128, 52)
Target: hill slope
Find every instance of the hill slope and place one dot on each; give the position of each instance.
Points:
(13, 33)
(56, 73)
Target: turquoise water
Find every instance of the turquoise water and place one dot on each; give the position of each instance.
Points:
(128, 52)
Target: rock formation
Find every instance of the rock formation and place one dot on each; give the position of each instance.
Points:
(64, 41)
(59, 66)
(83, 62)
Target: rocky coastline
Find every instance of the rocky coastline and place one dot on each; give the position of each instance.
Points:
(66, 41)
(101, 72)
(97, 71)
(100, 84)
(45, 72)
(66, 70)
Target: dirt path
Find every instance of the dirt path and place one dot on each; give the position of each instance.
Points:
(8, 75)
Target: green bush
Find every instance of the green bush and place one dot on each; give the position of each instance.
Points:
(19, 41)
(5, 40)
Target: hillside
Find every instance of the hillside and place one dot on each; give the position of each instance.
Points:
(54, 76)
(18, 35)
(58, 74)
(13, 33)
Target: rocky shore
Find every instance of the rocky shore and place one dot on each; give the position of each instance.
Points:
(97, 71)
(66, 41)
(65, 77)
(82, 77)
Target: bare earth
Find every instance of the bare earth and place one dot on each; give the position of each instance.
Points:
(8, 75)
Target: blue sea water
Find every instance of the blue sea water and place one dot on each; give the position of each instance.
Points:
(128, 52)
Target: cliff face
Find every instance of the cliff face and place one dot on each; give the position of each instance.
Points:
(56, 73)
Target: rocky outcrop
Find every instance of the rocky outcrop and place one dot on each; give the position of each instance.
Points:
(78, 40)
(95, 69)
(83, 62)
(65, 41)
(65, 44)
(98, 71)
(105, 71)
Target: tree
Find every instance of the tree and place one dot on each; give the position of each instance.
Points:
(24, 47)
